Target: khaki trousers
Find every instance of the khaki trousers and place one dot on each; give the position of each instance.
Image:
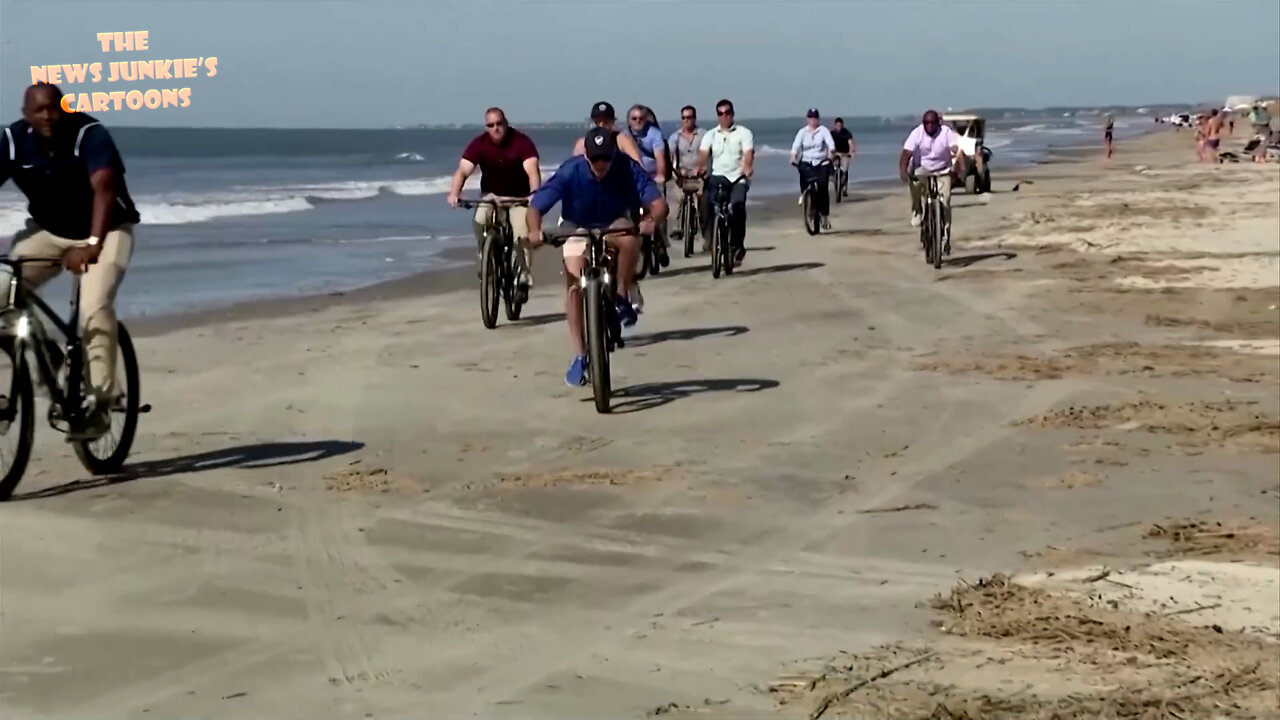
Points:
(98, 288)
(921, 184)
(517, 214)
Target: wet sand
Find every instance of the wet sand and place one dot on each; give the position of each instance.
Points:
(371, 506)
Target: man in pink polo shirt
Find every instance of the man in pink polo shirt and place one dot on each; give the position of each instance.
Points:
(931, 148)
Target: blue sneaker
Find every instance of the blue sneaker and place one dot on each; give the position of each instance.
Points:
(577, 374)
(626, 314)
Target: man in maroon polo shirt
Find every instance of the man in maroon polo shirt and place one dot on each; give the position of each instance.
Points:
(508, 164)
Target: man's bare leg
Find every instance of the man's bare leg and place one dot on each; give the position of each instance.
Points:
(573, 267)
(628, 255)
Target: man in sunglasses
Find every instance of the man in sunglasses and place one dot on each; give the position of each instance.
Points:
(933, 148)
(508, 163)
(643, 127)
(730, 149)
(684, 144)
(600, 188)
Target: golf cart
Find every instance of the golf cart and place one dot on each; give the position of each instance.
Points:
(972, 130)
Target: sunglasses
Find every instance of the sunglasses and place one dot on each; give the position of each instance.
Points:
(494, 125)
(688, 117)
(722, 113)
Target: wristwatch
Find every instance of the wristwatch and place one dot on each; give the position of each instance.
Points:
(94, 241)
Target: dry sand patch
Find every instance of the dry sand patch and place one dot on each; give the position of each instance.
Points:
(1189, 537)
(370, 479)
(1119, 358)
(1236, 425)
(1012, 651)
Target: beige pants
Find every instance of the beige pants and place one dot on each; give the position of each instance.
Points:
(921, 185)
(98, 288)
(577, 247)
(520, 228)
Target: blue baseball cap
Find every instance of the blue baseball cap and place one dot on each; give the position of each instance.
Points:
(813, 112)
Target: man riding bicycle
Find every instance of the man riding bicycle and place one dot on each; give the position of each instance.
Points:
(812, 151)
(603, 116)
(643, 127)
(601, 188)
(932, 148)
(730, 149)
(846, 148)
(508, 163)
(81, 213)
(684, 144)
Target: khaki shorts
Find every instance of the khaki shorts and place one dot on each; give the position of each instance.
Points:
(577, 247)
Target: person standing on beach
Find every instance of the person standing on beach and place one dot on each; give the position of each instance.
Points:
(731, 150)
(1212, 134)
(508, 164)
(846, 148)
(812, 152)
(1107, 138)
(81, 213)
(684, 144)
(932, 147)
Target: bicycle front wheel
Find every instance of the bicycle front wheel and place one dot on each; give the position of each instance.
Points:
(810, 214)
(939, 233)
(17, 418)
(490, 279)
(597, 350)
(511, 278)
(718, 240)
(107, 454)
(688, 226)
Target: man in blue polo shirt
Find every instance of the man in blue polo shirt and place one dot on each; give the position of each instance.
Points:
(69, 169)
(596, 190)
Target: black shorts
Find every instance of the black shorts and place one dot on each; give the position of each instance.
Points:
(1108, 135)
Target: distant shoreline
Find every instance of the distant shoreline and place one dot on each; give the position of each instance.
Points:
(1153, 109)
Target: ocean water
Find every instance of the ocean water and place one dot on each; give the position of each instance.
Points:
(231, 215)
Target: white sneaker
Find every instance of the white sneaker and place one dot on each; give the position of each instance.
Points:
(916, 219)
(637, 300)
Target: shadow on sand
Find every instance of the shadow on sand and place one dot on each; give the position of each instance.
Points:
(248, 457)
(656, 338)
(647, 396)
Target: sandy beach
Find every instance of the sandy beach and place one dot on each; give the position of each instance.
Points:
(838, 483)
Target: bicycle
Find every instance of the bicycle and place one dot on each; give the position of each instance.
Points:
(602, 327)
(499, 263)
(687, 217)
(60, 368)
(721, 229)
(652, 259)
(840, 178)
(935, 232)
(809, 203)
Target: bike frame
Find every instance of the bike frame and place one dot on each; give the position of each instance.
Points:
(26, 308)
(500, 220)
(599, 264)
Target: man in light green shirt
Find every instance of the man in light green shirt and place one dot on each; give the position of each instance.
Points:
(731, 150)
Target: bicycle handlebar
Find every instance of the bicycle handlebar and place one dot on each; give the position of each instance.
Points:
(556, 238)
(494, 202)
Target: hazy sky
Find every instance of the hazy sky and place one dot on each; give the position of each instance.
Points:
(375, 63)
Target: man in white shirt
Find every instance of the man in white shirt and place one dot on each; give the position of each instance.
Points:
(932, 148)
(731, 150)
(812, 152)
